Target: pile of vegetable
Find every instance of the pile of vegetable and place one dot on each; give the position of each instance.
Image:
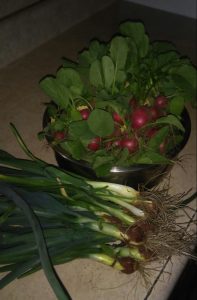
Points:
(49, 216)
(121, 103)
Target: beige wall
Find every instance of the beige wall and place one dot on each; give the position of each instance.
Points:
(187, 8)
(30, 27)
(8, 7)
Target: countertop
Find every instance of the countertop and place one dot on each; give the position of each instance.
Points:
(22, 103)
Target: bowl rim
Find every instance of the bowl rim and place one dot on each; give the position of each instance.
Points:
(135, 167)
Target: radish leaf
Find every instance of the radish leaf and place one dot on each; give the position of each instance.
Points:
(95, 74)
(108, 71)
(171, 120)
(119, 51)
(176, 105)
(58, 92)
(100, 122)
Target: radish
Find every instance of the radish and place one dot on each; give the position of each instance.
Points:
(139, 117)
(162, 147)
(117, 143)
(133, 103)
(85, 113)
(94, 144)
(151, 132)
(154, 113)
(161, 102)
(117, 118)
(108, 145)
(131, 144)
(117, 131)
(59, 135)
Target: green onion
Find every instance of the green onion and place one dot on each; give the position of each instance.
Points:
(49, 216)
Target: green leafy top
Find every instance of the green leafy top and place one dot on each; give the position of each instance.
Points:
(102, 82)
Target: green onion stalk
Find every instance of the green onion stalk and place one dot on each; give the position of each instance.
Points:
(49, 216)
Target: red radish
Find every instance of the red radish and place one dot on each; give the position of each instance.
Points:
(151, 132)
(133, 103)
(108, 144)
(162, 147)
(154, 113)
(131, 144)
(94, 144)
(161, 102)
(139, 117)
(85, 113)
(59, 135)
(117, 131)
(117, 143)
(117, 118)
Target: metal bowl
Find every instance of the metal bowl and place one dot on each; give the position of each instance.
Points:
(139, 174)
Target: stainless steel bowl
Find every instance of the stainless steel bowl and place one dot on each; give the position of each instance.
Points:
(136, 175)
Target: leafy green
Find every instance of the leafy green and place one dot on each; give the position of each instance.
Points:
(152, 157)
(108, 71)
(106, 76)
(118, 51)
(158, 138)
(176, 105)
(74, 148)
(171, 120)
(96, 78)
(80, 130)
(71, 79)
(58, 92)
(136, 31)
(50, 273)
(100, 122)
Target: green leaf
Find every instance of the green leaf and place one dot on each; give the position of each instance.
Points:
(158, 138)
(151, 157)
(95, 74)
(118, 52)
(45, 260)
(41, 135)
(56, 91)
(95, 52)
(85, 58)
(189, 73)
(80, 130)
(100, 122)
(122, 158)
(121, 76)
(102, 165)
(161, 47)
(185, 78)
(143, 49)
(115, 105)
(71, 79)
(132, 57)
(135, 30)
(75, 114)
(97, 49)
(75, 148)
(167, 86)
(108, 71)
(69, 63)
(166, 58)
(22, 164)
(58, 125)
(176, 105)
(171, 120)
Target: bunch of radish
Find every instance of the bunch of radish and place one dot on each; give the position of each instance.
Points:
(139, 122)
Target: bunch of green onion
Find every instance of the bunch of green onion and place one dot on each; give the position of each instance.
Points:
(49, 216)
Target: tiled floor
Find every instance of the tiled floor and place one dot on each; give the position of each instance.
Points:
(21, 102)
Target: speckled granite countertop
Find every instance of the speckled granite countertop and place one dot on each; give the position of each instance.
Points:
(21, 102)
